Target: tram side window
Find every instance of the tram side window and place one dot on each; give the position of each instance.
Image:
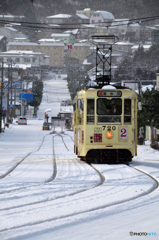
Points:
(90, 111)
(80, 109)
(74, 109)
(127, 111)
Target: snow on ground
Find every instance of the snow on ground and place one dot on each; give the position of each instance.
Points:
(47, 195)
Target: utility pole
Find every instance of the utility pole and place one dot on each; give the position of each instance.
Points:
(8, 107)
(1, 106)
(11, 90)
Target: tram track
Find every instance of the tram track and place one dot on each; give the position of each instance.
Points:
(22, 160)
(102, 179)
(68, 197)
(90, 210)
(150, 176)
(19, 162)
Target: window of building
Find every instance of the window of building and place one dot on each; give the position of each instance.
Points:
(26, 60)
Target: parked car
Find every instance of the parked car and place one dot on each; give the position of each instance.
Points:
(22, 120)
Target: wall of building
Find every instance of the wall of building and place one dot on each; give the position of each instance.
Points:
(56, 51)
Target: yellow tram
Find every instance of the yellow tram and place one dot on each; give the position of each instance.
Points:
(105, 116)
(105, 124)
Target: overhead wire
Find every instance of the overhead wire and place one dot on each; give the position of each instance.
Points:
(64, 26)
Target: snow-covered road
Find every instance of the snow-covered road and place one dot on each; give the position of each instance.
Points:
(46, 192)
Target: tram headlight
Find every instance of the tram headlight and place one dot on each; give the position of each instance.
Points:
(109, 134)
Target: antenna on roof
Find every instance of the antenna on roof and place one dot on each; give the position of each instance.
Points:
(103, 57)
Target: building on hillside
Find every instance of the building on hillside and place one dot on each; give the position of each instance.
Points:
(21, 39)
(27, 58)
(87, 11)
(102, 18)
(9, 17)
(133, 32)
(150, 34)
(92, 58)
(146, 47)
(87, 30)
(58, 52)
(58, 19)
(64, 37)
(123, 47)
(11, 33)
(119, 28)
(76, 20)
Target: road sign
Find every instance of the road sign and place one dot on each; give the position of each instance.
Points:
(25, 96)
(15, 85)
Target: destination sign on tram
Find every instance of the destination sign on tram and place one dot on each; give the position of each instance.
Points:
(106, 93)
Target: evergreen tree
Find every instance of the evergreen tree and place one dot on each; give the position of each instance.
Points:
(37, 93)
(149, 115)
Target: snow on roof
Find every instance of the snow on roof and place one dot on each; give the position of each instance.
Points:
(60, 16)
(1, 37)
(44, 44)
(124, 43)
(86, 62)
(75, 31)
(23, 43)
(82, 16)
(15, 52)
(117, 22)
(12, 29)
(20, 38)
(153, 28)
(83, 41)
(60, 35)
(134, 25)
(10, 16)
(89, 26)
(48, 40)
(21, 66)
(106, 15)
(144, 46)
(87, 9)
(54, 25)
(147, 87)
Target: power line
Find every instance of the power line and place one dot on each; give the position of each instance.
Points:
(64, 26)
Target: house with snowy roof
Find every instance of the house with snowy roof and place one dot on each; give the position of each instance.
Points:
(133, 32)
(64, 37)
(58, 19)
(9, 17)
(77, 19)
(103, 18)
(87, 11)
(11, 33)
(24, 59)
(146, 47)
(119, 28)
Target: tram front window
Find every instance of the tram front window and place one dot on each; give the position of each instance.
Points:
(109, 111)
